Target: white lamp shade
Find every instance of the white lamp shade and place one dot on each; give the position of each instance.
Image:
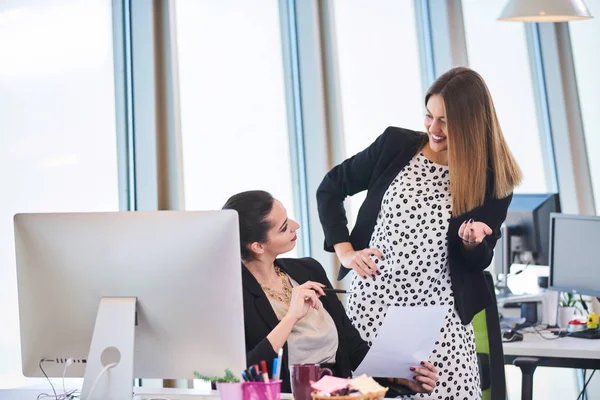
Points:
(544, 11)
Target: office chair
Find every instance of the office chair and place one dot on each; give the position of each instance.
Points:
(488, 344)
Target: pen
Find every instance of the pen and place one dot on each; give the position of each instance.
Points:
(265, 375)
(278, 371)
(245, 377)
(250, 374)
(340, 291)
(265, 372)
(275, 362)
(256, 373)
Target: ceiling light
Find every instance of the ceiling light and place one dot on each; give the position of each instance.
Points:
(544, 11)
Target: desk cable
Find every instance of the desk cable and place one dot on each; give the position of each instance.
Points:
(539, 332)
(581, 394)
(106, 368)
(523, 328)
(72, 394)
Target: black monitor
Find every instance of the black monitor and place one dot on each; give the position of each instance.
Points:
(528, 224)
(574, 261)
(525, 233)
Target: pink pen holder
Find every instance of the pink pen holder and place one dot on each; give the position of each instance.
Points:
(261, 390)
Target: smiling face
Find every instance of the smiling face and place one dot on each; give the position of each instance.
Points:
(436, 124)
(464, 133)
(281, 236)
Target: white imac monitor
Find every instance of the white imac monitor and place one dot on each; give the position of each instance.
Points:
(131, 295)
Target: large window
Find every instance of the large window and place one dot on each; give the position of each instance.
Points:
(380, 75)
(234, 127)
(57, 122)
(498, 51)
(585, 39)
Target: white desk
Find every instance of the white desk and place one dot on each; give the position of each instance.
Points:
(564, 352)
(533, 345)
(31, 392)
(182, 394)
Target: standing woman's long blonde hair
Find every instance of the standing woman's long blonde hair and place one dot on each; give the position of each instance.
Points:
(476, 143)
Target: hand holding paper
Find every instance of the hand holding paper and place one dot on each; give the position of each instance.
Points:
(426, 378)
(406, 338)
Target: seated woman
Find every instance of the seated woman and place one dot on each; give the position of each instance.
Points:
(284, 302)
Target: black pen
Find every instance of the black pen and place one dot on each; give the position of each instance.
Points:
(340, 291)
(250, 373)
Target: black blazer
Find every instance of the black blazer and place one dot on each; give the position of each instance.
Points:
(260, 319)
(373, 169)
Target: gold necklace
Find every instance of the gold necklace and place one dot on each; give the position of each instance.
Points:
(286, 295)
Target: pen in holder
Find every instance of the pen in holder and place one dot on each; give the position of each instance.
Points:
(261, 390)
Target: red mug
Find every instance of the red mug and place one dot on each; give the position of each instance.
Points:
(301, 376)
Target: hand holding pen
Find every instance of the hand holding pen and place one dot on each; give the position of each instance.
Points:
(305, 297)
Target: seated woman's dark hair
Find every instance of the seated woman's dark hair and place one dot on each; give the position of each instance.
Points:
(253, 208)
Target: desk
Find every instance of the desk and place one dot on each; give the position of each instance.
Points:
(31, 392)
(182, 394)
(565, 352)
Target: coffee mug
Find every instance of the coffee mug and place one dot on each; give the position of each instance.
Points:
(301, 375)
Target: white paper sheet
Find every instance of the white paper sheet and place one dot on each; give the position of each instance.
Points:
(406, 338)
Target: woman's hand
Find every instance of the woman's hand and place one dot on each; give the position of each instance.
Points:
(473, 232)
(305, 297)
(361, 262)
(424, 381)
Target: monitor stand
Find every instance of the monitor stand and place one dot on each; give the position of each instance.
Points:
(502, 281)
(111, 351)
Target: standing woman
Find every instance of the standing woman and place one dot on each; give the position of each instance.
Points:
(428, 226)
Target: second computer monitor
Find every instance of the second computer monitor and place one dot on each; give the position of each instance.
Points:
(574, 261)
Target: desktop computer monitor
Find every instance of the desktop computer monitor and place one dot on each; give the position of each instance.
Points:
(528, 223)
(525, 233)
(157, 293)
(574, 261)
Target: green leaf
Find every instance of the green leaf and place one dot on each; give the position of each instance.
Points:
(568, 300)
(228, 378)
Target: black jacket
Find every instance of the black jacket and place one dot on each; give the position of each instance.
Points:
(373, 170)
(260, 319)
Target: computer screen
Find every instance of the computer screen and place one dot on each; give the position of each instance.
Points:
(528, 220)
(182, 270)
(574, 261)
(525, 234)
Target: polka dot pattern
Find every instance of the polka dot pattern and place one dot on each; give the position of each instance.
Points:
(411, 232)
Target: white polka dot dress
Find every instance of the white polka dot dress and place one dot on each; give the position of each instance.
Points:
(411, 232)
